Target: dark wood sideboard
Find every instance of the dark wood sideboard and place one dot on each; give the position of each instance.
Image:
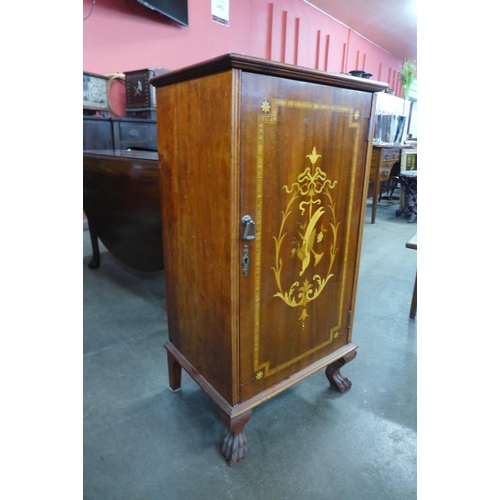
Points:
(264, 169)
(384, 158)
(119, 133)
(122, 202)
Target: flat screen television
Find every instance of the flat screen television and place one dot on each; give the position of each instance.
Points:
(173, 9)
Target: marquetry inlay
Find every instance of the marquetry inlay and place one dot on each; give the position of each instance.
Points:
(309, 200)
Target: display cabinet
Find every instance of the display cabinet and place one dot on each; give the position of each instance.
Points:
(263, 180)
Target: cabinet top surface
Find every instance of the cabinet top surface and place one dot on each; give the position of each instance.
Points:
(119, 119)
(264, 66)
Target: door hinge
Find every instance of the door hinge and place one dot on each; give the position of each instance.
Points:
(348, 320)
(369, 128)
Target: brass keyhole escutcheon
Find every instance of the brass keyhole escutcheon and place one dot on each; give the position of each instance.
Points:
(245, 261)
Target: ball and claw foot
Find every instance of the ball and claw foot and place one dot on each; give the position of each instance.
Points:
(336, 379)
(234, 445)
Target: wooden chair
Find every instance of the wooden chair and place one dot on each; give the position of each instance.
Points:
(391, 184)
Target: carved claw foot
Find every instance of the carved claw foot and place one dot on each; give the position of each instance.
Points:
(234, 445)
(336, 379)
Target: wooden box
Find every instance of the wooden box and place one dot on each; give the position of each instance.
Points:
(95, 94)
(138, 90)
(263, 180)
(140, 94)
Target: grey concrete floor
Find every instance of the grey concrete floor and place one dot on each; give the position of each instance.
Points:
(143, 442)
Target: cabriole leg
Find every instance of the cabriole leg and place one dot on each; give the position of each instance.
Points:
(337, 380)
(234, 445)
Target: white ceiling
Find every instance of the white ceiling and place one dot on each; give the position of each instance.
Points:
(390, 24)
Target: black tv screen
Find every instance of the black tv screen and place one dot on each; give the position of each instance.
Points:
(173, 9)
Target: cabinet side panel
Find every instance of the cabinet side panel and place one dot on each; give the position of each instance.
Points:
(369, 156)
(196, 161)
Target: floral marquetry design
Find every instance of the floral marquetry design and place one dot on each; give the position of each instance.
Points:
(311, 199)
(265, 106)
(334, 333)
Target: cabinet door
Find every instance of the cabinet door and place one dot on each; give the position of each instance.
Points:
(303, 172)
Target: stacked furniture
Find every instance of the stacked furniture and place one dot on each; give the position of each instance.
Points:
(119, 133)
(120, 174)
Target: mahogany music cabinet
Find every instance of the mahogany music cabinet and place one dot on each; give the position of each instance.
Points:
(263, 180)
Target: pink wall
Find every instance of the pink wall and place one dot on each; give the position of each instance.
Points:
(122, 35)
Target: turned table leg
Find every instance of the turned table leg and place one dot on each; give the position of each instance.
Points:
(336, 379)
(96, 259)
(234, 445)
